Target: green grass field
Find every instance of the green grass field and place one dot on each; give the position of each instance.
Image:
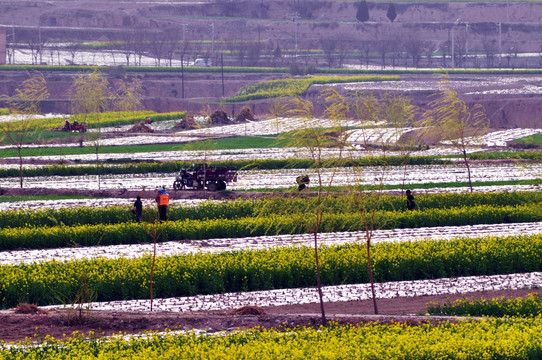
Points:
(533, 139)
(242, 142)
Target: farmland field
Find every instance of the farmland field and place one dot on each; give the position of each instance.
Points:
(69, 243)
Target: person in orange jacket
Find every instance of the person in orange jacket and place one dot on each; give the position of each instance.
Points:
(162, 199)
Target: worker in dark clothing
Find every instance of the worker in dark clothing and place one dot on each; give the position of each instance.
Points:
(302, 181)
(162, 199)
(138, 208)
(410, 204)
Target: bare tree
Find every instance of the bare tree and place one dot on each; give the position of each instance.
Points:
(35, 47)
(396, 48)
(72, 48)
(140, 46)
(429, 49)
(277, 54)
(343, 46)
(490, 49)
(157, 46)
(365, 49)
(444, 48)
(24, 103)
(172, 44)
(512, 53)
(127, 46)
(383, 44)
(254, 50)
(383, 47)
(328, 46)
(415, 47)
(460, 47)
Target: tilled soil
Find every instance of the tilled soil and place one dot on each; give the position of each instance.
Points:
(59, 323)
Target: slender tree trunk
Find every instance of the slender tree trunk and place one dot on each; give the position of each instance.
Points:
(318, 282)
(468, 169)
(98, 168)
(370, 268)
(20, 166)
(151, 285)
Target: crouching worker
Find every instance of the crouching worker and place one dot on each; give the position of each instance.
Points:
(162, 199)
(302, 182)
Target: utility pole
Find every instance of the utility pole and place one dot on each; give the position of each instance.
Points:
(39, 42)
(182, 60)
(222, 70)
(466, 39)
(296, 16)
(13, 47)
(500, 44)
(453, 47)
(212, 39)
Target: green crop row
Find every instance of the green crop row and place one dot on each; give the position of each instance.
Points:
(184, 275)
(295, 87)
(128, 233)
(522, 155)
(89, 215)
(524, 307)
(342, 204)
(352, 203)
(490, 339)
(174, 166)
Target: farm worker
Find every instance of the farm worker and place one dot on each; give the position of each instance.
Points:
(410, 204)
(138, 208)
(162, 199)
(302, 181)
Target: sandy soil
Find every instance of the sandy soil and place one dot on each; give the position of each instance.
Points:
(59, 323)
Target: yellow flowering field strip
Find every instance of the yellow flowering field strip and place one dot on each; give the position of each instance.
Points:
(110, 118)
(529, 306)
(485, 339)
(183, 275)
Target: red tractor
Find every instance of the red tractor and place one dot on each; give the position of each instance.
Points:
(202, 176)
(74, 127)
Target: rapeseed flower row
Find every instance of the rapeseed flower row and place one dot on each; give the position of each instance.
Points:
(184, 275)
(486, 339)
(529, 306)
(32, 237)
(295, 87)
